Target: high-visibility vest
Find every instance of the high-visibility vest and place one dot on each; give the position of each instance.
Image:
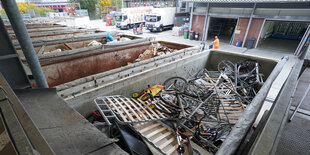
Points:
(216, 44)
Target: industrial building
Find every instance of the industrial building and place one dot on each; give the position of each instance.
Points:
(96, 89)
(272, 24)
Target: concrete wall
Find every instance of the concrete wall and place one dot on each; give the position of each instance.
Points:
(254, 31)
(198, 23)
(136, 79)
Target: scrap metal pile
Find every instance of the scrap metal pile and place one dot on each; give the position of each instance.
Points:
(180, 112)
(156, 49)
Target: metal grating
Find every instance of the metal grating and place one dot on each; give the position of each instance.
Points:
(295, 137)
(126, 110)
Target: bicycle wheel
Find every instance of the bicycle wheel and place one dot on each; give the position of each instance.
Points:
(169, 97)
(175, 83)
(226, 66)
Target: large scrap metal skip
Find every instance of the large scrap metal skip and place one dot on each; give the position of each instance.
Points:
(160, 136)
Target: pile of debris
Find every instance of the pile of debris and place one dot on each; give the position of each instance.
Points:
(156, 49)
(186, 115)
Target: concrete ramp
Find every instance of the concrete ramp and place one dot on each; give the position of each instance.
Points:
(66, 131)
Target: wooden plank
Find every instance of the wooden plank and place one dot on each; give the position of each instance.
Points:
(149, 127)
(118, 110)
(167, 142)
(158, 112)
(236, 114)
(149, 108)
(162, 137)
(68, 46)
(132, 104)
(143, 108)
(133, 111)
(162, 106)
(124, 109)
(173, 149)
(156, 132)
(41, 50)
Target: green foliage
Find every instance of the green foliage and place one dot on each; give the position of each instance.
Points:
(25, 6)
(43, 10)
(90, 5)
(103, 3)
(117, 3)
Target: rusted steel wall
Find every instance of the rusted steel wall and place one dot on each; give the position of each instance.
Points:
(65, 69)
(174, 45)
(62, 71)
(74, 44)
(35, 26)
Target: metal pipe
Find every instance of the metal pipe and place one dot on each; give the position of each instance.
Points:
(299, 104)
(249, 25)
(205, 30)
(260, 33)
(191, 17)
(23, 38)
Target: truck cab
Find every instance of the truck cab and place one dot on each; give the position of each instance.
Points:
(122, 21)
(160, 19)
(154, 22)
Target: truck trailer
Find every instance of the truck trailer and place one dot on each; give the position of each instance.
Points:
(160, 19)
(129, 17)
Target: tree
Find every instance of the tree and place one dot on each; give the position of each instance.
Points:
(25, 6)
(117, 3)
(103, 3)
(90, 5)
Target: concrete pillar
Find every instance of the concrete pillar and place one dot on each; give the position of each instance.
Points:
(191, 5)
(249, 25)
(206, 25)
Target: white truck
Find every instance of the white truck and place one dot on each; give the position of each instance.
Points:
(160, 19)
(129, 17)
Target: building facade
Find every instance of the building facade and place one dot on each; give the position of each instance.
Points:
(59, 5)
(238, 21)
(155, 3)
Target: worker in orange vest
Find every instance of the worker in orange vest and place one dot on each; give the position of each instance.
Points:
(216, 43)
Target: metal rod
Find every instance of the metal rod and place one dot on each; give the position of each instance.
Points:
(198, 107)
(249, 25)
(302, 42)
(23, 38)
(248, 117)
(191, 16)
(260, 33)
(299, 104)
(205, 31)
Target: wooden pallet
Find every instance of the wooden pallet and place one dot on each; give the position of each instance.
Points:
(128, 110)
(159, 136)
(231, 106)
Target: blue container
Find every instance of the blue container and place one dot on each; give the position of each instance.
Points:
(238, 43)
(186, 27)
(250, 43)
